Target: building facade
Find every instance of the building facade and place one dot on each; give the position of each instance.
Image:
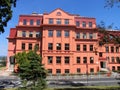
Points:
(68, 43)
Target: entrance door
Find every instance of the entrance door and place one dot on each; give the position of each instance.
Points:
(103, 64)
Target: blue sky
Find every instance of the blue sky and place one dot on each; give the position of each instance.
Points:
(90, 8)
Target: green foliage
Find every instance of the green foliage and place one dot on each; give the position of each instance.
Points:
(111, 3)
(5, 12)
(31, 70)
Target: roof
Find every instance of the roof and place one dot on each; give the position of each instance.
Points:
(13, 33)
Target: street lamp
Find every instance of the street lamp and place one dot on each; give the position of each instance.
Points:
(87, 72)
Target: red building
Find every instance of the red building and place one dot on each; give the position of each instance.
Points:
(68, 43)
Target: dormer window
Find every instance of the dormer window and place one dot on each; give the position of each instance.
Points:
(58, 13)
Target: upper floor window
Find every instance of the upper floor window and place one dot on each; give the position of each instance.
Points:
(84, 59)
(58, 59)
(38, 34)
(91, 60)
(38, 22)
(23, 46)
(77, 35)
(84, 48)
(118, 60)
(78, 60)
(77, 23)
(91, 36)
(84, 36)
(112, 59)
(58, 33)
(90, 24)
(91, 47)
(107, 48)
(100, 54)
(30, 46)
(84, 24)
(112, 49)
(67, 60)
(66, 46)
(50, 46)
(78, 47)
(50, 59)
(30, 34)
(58, 21)
(31, 22)
(58, 46)
(50, 33)
(50, 20)
(24, 22)
(117, 49)
(66, 21)
(23, 34)
(66, 33)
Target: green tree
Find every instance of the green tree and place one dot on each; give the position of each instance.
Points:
(31, 70)
(111, 3)
(5, 12)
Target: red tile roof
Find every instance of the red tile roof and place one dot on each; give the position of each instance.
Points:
(13, 33)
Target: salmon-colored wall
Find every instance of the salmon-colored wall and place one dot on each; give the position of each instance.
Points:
(43, 41)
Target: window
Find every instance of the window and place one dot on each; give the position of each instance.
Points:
(30, 34)
(77, 23)
(84, 36)
(31, 22)
(84, 59)
(107, 48)
(50, 33)
(58, 21)
(30, 46)
(113, 68)
(78, 60)
(38, 22)
(91, 70)
(58, 46)
(118, 60)
(112, 49)
(118, 68)
(77, 35)
(78, 70)
(91, 47)
(90, 24)
(78, 47)
(90, 36)
(66, 33)
(23, 34)
(100, 54)
(50, 59)
(67, 71)
(113, 59)
(50, 46)
(66, 46)
(50, 20)
(84, 24)
(50, 71)
(67, 60)
(38, 34)
(66, 21)
(58, 71)
(58, 33)
(58, 60)
(84, 48)
(37, 46)
(23, 46)
(117, 49)
(24, 22)
(91, 60)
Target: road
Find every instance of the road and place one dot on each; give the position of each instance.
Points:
(12, 81)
